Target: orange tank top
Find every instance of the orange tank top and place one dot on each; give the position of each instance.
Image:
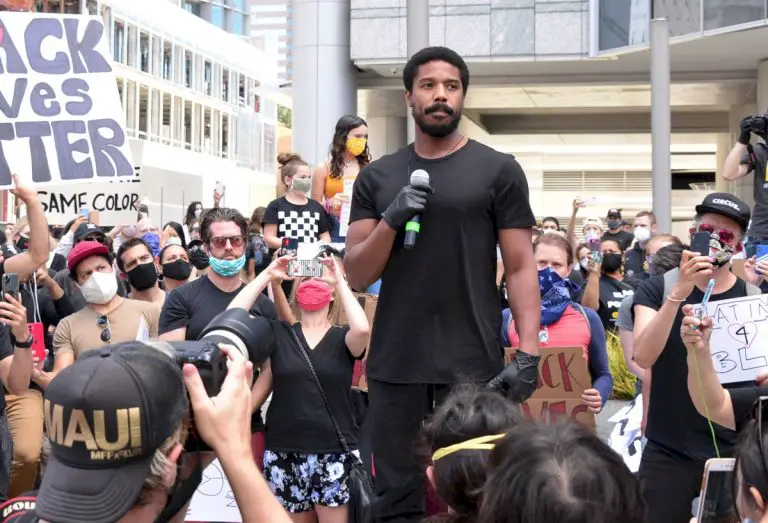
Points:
(333, 186)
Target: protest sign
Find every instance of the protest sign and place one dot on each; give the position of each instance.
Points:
(737, 325)
(627, 438)
(214, 500)
(60, 110)
(116, 203)
(563, 377)
(368, 302)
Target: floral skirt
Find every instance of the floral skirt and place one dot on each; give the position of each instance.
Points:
(301, 481)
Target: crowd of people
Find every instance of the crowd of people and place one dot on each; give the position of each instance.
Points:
(96, 422)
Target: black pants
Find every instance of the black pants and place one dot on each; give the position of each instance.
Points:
(395, 415)
(669, 486)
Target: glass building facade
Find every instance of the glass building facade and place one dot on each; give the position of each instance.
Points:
(230, 15)
(624, 23)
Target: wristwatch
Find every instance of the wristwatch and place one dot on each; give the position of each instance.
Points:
(23, 344)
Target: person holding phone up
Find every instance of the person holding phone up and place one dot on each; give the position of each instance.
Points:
(673, 460)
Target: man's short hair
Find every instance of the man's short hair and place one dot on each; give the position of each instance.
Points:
(222, 214)
(435, 54)
(129, 244)
(107, 417)
(651, 216)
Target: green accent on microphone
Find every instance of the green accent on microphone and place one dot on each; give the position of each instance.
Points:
(412, 227)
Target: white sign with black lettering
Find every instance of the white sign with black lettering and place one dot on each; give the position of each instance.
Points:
(739, 331)
(115, 201)
(214, 500)
(627, 438)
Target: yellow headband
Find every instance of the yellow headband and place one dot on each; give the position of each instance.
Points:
(481, 443)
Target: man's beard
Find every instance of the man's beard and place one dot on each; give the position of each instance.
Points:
(437, 130)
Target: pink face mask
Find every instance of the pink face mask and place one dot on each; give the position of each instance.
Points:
(313, 295)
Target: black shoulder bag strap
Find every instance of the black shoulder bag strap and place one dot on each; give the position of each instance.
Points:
(304, 354)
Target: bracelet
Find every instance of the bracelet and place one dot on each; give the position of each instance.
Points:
(675, 300)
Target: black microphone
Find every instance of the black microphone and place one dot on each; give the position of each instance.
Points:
(418, 177)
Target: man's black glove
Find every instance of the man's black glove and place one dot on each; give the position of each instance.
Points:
(411, 200)
(518, 380)
(745, 130)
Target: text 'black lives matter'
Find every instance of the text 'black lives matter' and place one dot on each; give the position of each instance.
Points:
(58, 100)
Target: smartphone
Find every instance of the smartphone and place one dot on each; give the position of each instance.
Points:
(309, 268)
(716, 498)
(85, 212)
(289, 247)
(593, 242)
(700, 243)
(11, 285)
(762, 254)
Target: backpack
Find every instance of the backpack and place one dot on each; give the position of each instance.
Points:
(671, 277)
(506, 321)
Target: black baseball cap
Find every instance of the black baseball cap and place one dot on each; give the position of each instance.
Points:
(726, 204)
(87, 228)
(106, 415)
(614, 213)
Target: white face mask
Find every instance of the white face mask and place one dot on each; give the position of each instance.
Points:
(642, 234)
(584, 262)
(198, 212)
(99, 288)
(173, 240)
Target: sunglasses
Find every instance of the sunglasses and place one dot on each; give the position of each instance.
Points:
(220, 242)
(724, 235)
(103, 323)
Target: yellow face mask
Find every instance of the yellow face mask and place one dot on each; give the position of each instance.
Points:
(356, 146)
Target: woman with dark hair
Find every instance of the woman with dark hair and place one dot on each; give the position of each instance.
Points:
(194, 212)
(558, 472)
(173, 234)
(348, 154)
(458, 439)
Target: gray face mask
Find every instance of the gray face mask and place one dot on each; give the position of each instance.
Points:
(302, 185)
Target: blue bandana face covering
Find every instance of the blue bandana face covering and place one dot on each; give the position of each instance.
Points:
(555, 295)
(227, 268)
(153, 240)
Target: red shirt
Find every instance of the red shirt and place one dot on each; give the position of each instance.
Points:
(571, 330)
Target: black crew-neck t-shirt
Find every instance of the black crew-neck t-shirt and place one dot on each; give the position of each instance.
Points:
(297, 419)
(438, 318)
(623, 238)
(674, 426)
(612, 293)
(634, 264)
(758, 226)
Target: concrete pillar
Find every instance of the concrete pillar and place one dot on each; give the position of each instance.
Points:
(762, 86)
(324, 84)
(724, 145)
(386, 134)
(417, 38)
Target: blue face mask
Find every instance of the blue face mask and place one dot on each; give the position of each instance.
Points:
(227, 268)
(153, 240)
(555, 295)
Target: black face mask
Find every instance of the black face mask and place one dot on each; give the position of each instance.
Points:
(22, 244)
(143, 276)
(198, 259)
(611, 262)
(177, 270)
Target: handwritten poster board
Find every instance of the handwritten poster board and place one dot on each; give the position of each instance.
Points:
(346, 207)
(214, 500)
(61, 119)
(116, 203)
(738, 327)
(626, 438)
(563, 377)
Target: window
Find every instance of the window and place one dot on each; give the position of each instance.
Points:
(217, 16)
(225, 79)
(238, 23)
(270, 154)
(225, 135)
(192, 7)
(143, 111)
(207, 146)
(130, 108)
(167, 110)
(188, 68)
(187, 124)
(118, 42)
(167, 60)
(144, 50)
(207, 77)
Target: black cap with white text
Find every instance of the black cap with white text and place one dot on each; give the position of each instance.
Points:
(726, 204)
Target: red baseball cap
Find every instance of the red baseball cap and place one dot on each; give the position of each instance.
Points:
(85, 250)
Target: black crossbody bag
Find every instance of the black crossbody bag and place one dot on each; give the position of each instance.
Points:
(361, 491)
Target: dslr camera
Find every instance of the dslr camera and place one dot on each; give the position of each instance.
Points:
(250, 335)
(759, 124)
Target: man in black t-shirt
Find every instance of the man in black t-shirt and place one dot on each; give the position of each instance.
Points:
(616, 231)
(190, 308)
(743, 159)
(679, 439)
(438, 320)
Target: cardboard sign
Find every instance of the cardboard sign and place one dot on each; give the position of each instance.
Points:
(368, 302)
(116, 203)
(563, 377)
(61, 119)
(738, 325)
